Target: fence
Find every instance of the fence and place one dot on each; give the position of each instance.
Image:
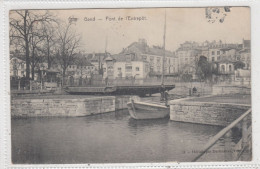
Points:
(23, 84)
(241, 146)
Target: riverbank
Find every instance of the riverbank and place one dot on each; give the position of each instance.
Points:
(218, 110)
(66, 105)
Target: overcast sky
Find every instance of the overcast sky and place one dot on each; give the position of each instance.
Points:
(183, 24)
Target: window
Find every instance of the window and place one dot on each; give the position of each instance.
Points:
(218, 58)
(218, 52)
(144, 57)
(158, 59)
(119, 68)
(158, 69)
(213, 52)
(15, 72)
(137, 69)
(151, 69)
(22, 72)
(222, 68)
(128, 67)
(69, 66)
(213, 59)
(230, 68)
(22, 66)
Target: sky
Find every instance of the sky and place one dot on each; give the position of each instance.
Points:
(182, 24)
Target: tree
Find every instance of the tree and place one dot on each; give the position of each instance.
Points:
(68, 43)
(22, 23)
(186, 77)
(35, 50)
(239, 65)
(204, 68)
(50, 40)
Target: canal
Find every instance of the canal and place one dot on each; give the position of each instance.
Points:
(109, 138)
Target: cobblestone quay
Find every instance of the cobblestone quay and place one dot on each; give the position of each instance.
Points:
(66, 105)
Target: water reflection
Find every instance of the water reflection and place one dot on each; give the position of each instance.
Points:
(132, 123)
(111, 137)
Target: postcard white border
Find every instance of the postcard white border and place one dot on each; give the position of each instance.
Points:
(5, 132)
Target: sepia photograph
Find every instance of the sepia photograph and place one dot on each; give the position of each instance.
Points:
(130, 85)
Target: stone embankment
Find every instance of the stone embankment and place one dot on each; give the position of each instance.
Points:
(34, 107)
(212, 113)
(225, 89)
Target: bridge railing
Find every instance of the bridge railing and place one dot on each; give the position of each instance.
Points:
(226, 133)
(116, 82)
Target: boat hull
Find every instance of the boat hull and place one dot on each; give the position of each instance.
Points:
(141, 110)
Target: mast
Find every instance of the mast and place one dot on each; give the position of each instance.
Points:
(163, 62)
(106, 45)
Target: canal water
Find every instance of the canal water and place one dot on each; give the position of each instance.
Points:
(109, 138)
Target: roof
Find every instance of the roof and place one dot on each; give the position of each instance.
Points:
(109, 58)
(143, 48)
(244, 73)
(123, 57)
(245, 51)
(96, 56)
(226, 49)
(82, 61)
(224, 60)
(52, 70)
(247, 43)
(19, 59)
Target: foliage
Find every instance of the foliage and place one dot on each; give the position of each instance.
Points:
(204, 69)
(239, 65)
(186, 77)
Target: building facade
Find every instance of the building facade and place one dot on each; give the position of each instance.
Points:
(153, 56)
(17, 67)
(125, 66)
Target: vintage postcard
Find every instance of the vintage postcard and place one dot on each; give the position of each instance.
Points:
(130, 85)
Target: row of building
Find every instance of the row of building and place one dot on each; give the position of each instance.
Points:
(139, 60)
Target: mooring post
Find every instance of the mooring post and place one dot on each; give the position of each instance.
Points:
(19, 85)
(227, 146)
(244, 132)
(30, 85)
(41, 85)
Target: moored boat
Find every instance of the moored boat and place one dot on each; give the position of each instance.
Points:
(142, 110)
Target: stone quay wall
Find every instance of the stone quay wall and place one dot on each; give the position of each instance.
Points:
(220, 89)
(67, 107)
(220, 114)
